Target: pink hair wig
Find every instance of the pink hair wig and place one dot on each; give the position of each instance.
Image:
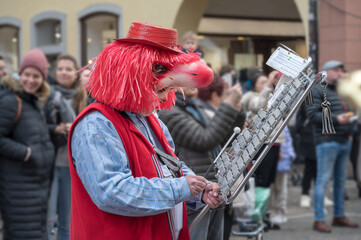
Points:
(122, 76)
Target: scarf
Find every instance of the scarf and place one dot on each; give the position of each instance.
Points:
(62, 103)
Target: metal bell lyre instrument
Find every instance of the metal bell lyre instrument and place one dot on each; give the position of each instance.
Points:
(293, 88)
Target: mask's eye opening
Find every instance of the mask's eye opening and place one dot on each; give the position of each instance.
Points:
(159, 69)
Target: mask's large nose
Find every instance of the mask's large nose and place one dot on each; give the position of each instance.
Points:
(194, 75)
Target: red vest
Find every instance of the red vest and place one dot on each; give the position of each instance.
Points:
(88, 222)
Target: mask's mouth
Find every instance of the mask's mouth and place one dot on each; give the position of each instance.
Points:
(163, 92)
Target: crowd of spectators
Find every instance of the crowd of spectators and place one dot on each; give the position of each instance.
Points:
(35, 117)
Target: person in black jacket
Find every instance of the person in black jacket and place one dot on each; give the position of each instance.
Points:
(195, 138)
(26, 152)
(210, 98)
(3, 72)
(306, 152)
(332, 150)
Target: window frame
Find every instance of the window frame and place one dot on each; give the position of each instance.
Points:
(92, 11)
(14, 23)
(51, 49)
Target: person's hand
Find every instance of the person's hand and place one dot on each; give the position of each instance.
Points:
(67, 127)
(272, 80)
(60, 129)
(234, 96)
(245, 124)
(211, 195)
(343, 118)
(196, 184)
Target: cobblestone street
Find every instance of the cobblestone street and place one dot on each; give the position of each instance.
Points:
(300, 220)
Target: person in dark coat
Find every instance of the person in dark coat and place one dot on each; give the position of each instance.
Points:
(306, 152)
(196, 137)
(332, 150)
(210, 98)
(26, 152)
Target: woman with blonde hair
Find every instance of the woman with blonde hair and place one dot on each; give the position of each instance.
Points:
(26, 152)
(66, 101)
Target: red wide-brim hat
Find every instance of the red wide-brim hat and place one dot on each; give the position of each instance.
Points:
(151, 35)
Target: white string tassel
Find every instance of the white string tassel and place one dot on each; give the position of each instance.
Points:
(327, 124)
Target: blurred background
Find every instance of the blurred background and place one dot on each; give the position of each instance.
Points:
(242, 33)
(239, 33)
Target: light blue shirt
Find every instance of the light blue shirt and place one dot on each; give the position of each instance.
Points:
(103, 167)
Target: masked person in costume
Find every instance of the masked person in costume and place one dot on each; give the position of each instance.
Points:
(126, 181)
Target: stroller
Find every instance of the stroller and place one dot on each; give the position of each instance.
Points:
(249, 210)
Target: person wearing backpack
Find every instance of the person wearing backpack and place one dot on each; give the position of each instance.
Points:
(26, 152)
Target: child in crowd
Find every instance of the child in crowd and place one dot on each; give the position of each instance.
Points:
(190, 43)
(278, 200)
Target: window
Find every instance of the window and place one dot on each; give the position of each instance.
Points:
(48, 33)
(97, 31)
(10, 42)
(245, 51)
(99, 24)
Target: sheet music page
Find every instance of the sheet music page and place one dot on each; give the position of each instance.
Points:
(287, 62)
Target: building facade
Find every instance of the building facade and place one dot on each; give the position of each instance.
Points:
(241, 33)
(340, 32)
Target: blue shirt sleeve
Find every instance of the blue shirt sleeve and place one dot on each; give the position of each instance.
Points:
(103, 167)
(195, 202)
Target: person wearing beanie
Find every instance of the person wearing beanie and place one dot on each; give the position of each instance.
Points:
(26, 151)
(36, 59)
